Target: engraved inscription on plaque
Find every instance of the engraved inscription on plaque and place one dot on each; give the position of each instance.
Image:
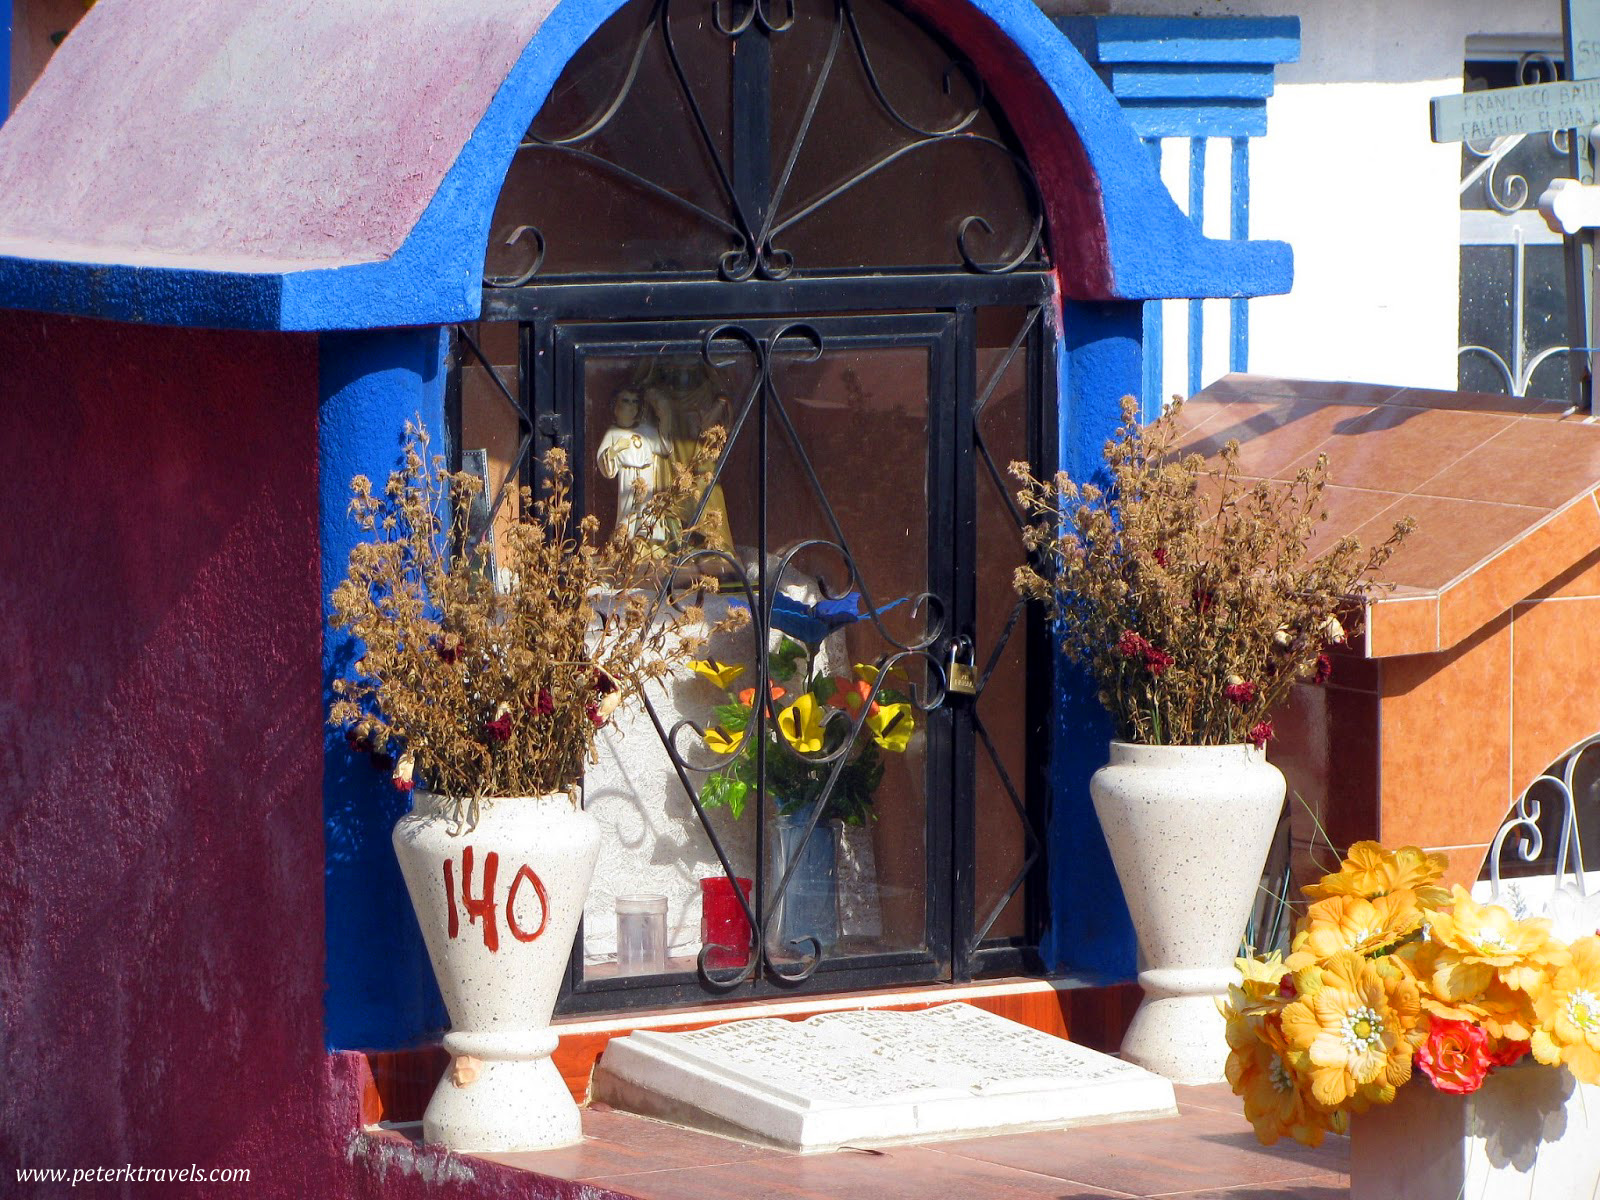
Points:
(877, 1055)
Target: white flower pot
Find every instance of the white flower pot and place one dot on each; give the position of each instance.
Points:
(1189, 828)
(499, 905)
(1529, 1133)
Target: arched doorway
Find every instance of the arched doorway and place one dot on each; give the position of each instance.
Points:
(806, 223)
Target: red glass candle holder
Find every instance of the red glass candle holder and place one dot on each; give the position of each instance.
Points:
(723, 925)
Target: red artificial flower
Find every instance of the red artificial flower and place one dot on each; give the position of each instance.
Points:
(592, 711)
(449, 647)
(544, 705)
(1131, 645)
(1240, 693)
(1156, 660)
(403, 785)
(1324, 670)
(1508, 1053)
(1261, 734)
(1455, 1057)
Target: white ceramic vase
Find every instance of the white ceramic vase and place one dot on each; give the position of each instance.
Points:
(1189, 828)
(499, 903)
(1529, 1133)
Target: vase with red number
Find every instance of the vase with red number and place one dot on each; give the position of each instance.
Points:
(498, 887)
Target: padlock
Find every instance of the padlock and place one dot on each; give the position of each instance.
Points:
(961, 676)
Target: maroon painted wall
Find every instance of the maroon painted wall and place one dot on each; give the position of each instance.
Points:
(161, 832)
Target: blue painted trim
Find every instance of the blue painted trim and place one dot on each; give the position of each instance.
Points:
(1197, 118)
(1090, 934)
(380, 990)
(1180, 81)
(434, 277)
(1197, 211)
(1193, 40)
(1151, 398)
(1239, 230)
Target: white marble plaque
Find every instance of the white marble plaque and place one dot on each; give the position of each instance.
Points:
(873, 1078)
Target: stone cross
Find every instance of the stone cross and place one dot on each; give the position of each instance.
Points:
(1570, 206)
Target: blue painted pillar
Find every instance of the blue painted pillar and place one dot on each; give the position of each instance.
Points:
(1090, 933)
(381, 993)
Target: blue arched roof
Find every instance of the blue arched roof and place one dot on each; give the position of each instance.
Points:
(1115, 232)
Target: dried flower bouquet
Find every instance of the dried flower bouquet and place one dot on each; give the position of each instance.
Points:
(478, 687)
(1188, 589)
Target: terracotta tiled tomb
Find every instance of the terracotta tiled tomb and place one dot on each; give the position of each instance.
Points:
(1476, 670)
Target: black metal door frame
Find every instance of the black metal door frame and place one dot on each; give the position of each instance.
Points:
(559, 322)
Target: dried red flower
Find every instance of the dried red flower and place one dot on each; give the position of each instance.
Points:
(1131, 645)
(592, 711)
(544, 704)
(604, 685)
(1241, 693)
(1324, 670)
(499, 729)
(449, 647)
(1161, 556)
(1156, 660)
(1455, 1056)
(403, 785)
(1260, 734)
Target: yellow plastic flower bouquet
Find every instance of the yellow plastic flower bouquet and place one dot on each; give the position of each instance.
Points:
(1388, 971)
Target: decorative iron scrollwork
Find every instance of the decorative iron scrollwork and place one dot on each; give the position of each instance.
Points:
(755, 227)
(762, 408)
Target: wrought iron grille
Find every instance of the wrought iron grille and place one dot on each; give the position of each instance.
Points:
(1544, 829)
(770, 228)
(1513, 308)
(764, 186)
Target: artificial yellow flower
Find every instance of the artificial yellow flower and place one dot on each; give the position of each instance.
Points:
(1355, 1034)
(1356, 924)
(720, 741)
(1481, 942)
(1569, 1014)
(1260, 986)
(1277, 1098)
(891, 726)
(721, 674)
(801, 725)
(1371, 871)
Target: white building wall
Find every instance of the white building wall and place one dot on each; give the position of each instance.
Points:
(1348, 176)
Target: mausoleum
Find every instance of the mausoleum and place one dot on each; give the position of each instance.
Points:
(892, 247)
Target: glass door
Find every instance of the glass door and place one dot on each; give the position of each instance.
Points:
(781, 815)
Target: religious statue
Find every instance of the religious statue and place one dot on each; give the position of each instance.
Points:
(685, 397)
(636, 455)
